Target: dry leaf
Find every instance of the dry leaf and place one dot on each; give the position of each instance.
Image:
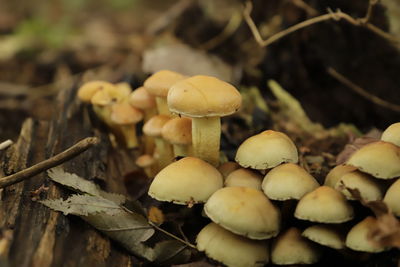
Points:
(349, 149)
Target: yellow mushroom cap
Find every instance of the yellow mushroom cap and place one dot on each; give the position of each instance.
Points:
(124, 88)
(324, 205)
(244, 211)
(227, 167)
(266, 150)
(392, 134)
(392, 197)
(153, 127)
(231, 249)
(87, 90)
(380, 159)
(142, 99)
(336, 173)
(291, 248)
(325, 235)
(186, 181)
(369, 187)
(160, 82)
(109, 95)
(357, 237)
(123, 113)
(288, 181)
(178, 131)
(203, 96)
(244, 177)
(145, 161)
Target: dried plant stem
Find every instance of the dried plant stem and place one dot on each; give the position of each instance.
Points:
(5, 144)
(359, 90)
(56, 160)
(171, 235)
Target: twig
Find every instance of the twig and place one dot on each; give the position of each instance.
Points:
(337, 15)
(306, 7)
(5, 144)
(56, 160)
(359, 90)
(171, 235)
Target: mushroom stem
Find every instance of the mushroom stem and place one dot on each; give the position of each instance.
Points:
(128, 133)
(148, 140)
(162, 106)
(165, 152)
(206, 134)
(181, 150)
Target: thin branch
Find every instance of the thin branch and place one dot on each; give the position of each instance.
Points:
(56, 160)
(371, 5)
(359, 90)
(171, 235)
(306, 7)
(337, 15)
(5, 144)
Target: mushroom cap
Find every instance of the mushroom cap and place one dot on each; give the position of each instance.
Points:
(145, 161)
(231, 249)
(88, 89)
(324, 205)
(178, 131)
(186, 181)
(244, 177)
(325, 235)
(392, 198)
(109, 95)
(336, 173)
(160, 82)
(142, 99)
(357, 237)
(203, 96)
(380, 159)
(369, 187)
(123, 113)
(153, 127)
(291, 248)
(227, 167)
(288, 181)
(266, 150)
(244, 211)
(124, 87)
(392, 134)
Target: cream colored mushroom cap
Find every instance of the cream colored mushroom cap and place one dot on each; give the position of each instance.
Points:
(357, 237)
(244, 177)
(87, 90)
(324, 205)
(186, 181)
(203, 96)
(160, 82)
(380, 159)
(123, 114)
(325, 235)
(153, 127)
(244, 211)
(266, 150)
(231, 249)
(392, 197)
(288, 181)
(109, 95)
(392, 134)
(142, 99)
(336, 173)
(369, 187)
(291, 248)
(227, 167)
(178, 131)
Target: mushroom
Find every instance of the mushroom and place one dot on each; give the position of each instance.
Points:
(178, 132)
(392, 134)
(288, 181)
(205, 99)
(153, 128)
(147, 163)
(227, 167)
(392, 198)
(336, 173)
(291, 248)
(380, 159)
(159, 84)
(231, 249)
(244, 177)
(324, 205)
(124, 118)
(88, 89)
(266, 150)
(187, 181)
(244, 211)
(325, 235)
(357, 237)
(140, 98)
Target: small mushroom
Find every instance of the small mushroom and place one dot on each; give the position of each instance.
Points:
(204, 99)
(392, 198)
(231, 249)
(336, 173)
(178, 132)
(244, 211)
(147, 162)
(227, 167)
(392, 134)
(244, 177)
(266, 150)
(89, 89)
(325, 235)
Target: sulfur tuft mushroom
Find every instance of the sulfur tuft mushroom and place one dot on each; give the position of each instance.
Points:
(89, 89)
(392, 134)
(325, 235)
(392, 198)
(178, 132)
(244, 177)
(336, 173)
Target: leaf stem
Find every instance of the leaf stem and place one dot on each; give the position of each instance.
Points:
(171, 235)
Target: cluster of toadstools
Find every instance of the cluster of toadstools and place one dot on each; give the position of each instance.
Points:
(182, 119)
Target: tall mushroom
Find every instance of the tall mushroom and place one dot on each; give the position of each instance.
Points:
(205, 99)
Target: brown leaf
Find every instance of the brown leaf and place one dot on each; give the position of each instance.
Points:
(352, 147)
